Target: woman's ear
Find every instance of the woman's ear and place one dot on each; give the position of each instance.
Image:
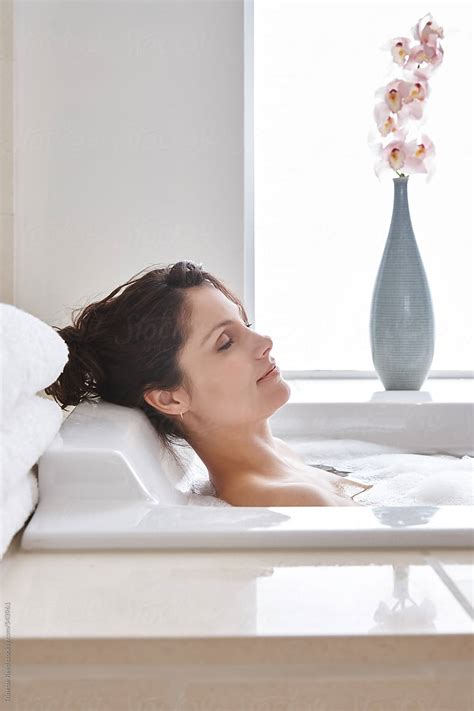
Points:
(163, 401)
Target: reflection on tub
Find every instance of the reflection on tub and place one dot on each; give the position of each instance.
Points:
(402, 516)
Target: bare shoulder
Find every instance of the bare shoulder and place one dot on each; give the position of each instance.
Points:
(255, 491)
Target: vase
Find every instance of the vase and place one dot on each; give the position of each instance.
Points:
(401, 314)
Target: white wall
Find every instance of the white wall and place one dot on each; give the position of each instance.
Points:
(6, 152)
(128, 145)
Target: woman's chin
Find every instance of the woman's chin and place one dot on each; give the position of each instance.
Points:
(284, 392)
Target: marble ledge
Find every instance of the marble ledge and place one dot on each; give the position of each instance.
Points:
(257, 595)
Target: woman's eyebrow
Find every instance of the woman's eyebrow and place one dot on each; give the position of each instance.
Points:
(219, 325)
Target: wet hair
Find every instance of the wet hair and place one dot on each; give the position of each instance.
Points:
(129, 342)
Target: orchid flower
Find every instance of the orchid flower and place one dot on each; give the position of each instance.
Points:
(414, 156)
(427, 32)
(424, 53)
(403, 100)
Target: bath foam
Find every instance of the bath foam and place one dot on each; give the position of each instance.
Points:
(449, 487)
(399, 478)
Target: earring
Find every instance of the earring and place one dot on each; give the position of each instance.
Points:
(182, 420)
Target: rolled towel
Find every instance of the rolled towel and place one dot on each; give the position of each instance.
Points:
(25, 435)
(32, 356)
(15, 507)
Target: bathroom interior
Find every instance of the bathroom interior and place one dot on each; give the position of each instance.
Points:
(214, 134)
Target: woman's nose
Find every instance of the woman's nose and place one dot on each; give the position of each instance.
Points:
(267, 343)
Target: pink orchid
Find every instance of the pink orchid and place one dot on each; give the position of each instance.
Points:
(418, 90)
(386, 123)
(400, 49)
(414, 156)
(427, 30)
(392, 156)
(420, 155)
(410, 110)
(400, 92)
(421, 53)
(403, 100)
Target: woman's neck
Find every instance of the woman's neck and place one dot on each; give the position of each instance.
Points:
(229, 459)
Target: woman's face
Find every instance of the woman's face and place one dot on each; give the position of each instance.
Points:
(224, 362)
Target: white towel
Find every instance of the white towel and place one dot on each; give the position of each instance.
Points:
(25, 435)
(16, 506)
(32, 356)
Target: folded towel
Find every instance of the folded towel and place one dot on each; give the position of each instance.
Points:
(25, 435)
(16, 507)
(32, 356)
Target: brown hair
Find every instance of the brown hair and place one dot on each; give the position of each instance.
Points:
(128, 343)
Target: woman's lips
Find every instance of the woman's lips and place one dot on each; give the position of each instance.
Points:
(275, 371)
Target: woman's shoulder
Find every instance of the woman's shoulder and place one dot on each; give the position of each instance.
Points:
(255, 490)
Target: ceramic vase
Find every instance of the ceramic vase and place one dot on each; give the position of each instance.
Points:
(401, 315)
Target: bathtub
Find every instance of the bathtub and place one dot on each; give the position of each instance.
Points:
(105, 482)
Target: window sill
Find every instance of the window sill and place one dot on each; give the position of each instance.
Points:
(370, 391)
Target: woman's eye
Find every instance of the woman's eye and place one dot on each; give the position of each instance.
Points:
(230, 342)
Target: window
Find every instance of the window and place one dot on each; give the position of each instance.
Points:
(321, 216)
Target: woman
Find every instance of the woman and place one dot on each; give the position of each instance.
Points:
(177, 344)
